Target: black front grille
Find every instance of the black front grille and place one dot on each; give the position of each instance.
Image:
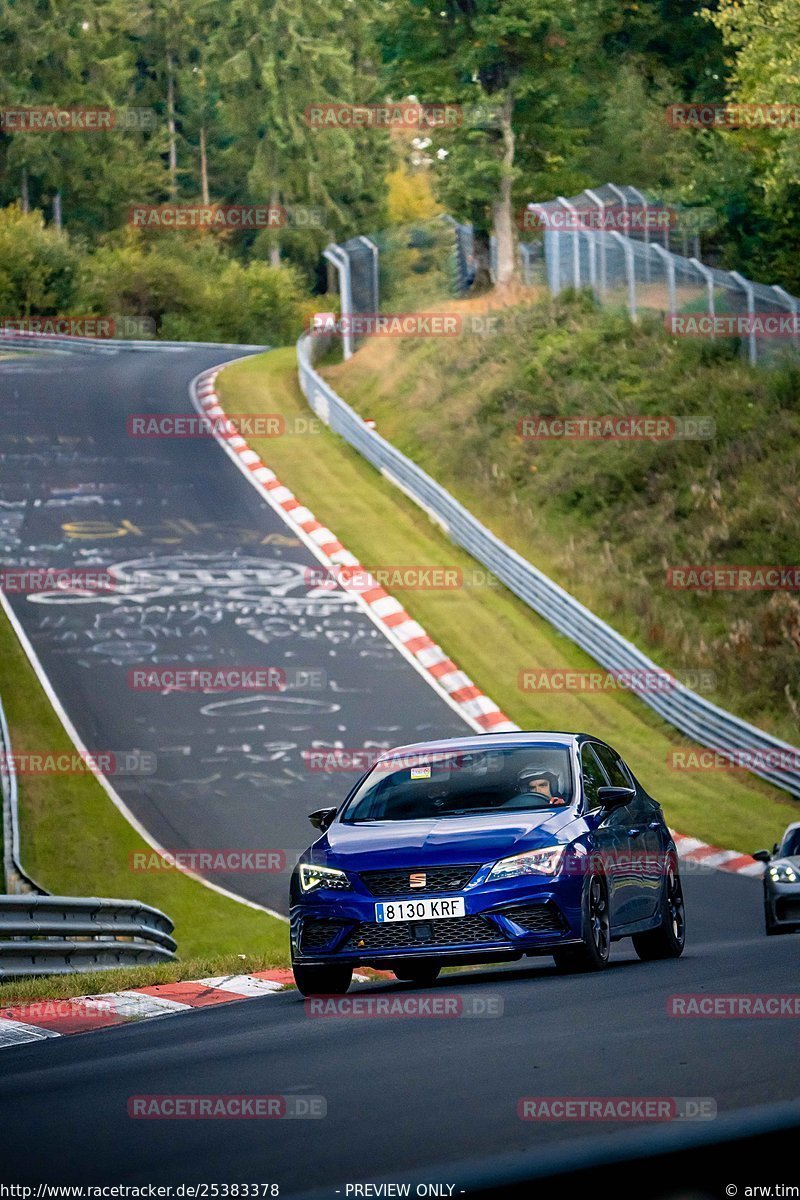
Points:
(437, 879)
(536, 918)
(318, 935)
(787, 909)
(400, 935)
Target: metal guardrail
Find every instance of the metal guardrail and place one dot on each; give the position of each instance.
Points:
(59, 935)
(26, 338)
(692, 714)
(17, 879)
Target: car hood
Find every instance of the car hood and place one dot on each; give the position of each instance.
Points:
(452, 840)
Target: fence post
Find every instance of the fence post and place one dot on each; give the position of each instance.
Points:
(669, 263)
(630, 271)
(708, 275)
(373, 249)
(747, 287)
(576, 249)
(552, 258)
(643, 199)
(336, 255)
(601, 205)
(792, 304)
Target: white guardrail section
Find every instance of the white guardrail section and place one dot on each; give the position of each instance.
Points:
(704, 722)
(17, 879)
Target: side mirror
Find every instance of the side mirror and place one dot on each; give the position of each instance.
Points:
(615, 797)
(762, 855)
(322, 817)
(776, 848)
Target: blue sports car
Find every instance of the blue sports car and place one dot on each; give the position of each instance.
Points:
(485, 849)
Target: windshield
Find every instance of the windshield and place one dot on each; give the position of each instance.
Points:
(422, 786)
(791, 844)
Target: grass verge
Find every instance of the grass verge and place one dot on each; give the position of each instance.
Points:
(488, 632)
(93, 983)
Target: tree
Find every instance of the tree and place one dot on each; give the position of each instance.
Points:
(275, 58)
(511, 62)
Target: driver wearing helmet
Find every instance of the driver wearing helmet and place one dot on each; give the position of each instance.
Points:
(539, 780)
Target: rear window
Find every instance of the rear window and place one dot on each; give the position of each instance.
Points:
(424, 786)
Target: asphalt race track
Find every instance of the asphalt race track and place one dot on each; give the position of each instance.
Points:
(228, 586)
(405, 1096)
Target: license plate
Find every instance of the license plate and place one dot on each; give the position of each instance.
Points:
(419, 910)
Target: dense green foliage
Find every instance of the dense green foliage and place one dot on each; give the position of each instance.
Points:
(557, 97)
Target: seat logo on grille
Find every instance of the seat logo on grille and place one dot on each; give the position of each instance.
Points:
(418, 879)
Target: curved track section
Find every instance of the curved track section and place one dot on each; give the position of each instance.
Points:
(208, 576)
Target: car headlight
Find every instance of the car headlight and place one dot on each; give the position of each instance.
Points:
(783, 873)
(312, 877)
(533, 862)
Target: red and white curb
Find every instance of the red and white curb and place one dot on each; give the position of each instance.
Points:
(40, 1019)
(694, 851)
(407, 634)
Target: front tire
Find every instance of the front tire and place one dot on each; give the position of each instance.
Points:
(593, 955)
(322, 979)
(423, 974)
(668, 939)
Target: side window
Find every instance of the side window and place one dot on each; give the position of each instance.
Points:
(615, 768)
(593, 775)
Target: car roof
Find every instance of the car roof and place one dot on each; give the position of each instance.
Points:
(789, 828)
(558, 738)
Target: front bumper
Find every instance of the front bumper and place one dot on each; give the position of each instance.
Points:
(782, 901)
(505, 919)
